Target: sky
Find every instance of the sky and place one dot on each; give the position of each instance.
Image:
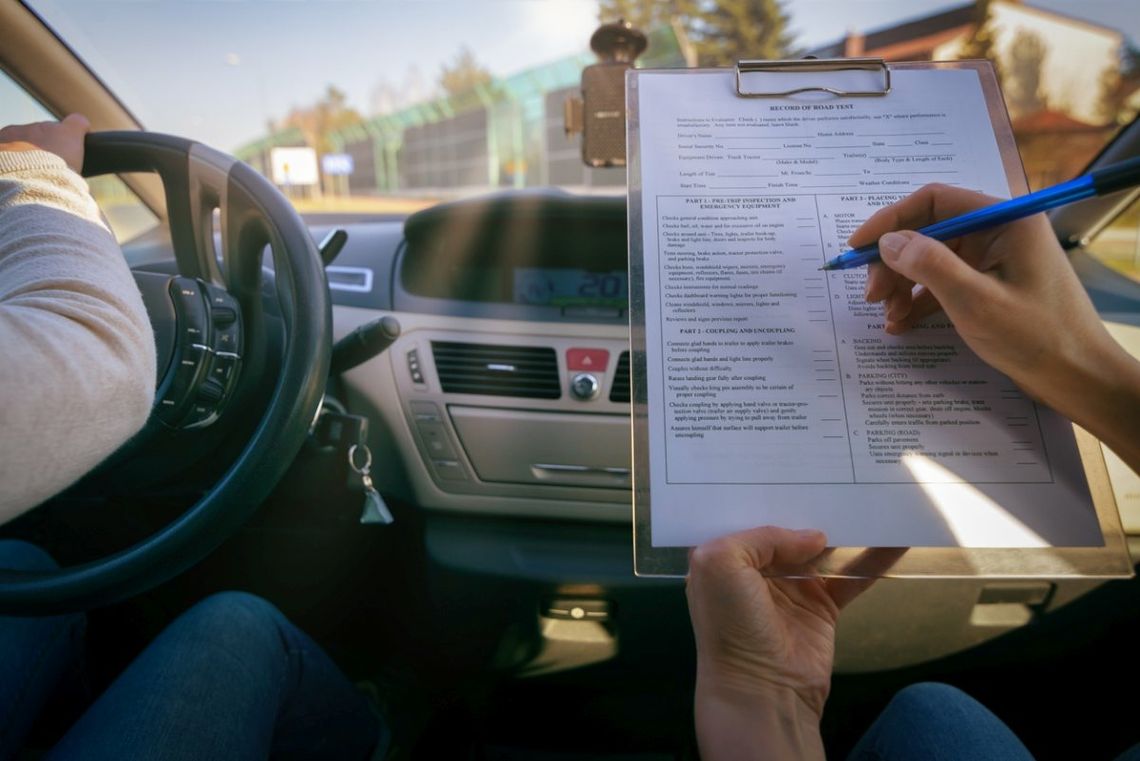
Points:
(216, 70)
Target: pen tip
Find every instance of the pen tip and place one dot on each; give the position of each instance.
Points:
(826, 267)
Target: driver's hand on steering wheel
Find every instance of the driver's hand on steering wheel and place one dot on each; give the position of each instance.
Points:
(64, 139)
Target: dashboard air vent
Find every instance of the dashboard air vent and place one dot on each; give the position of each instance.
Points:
(524, 371)
(357, 279)
(619, 391)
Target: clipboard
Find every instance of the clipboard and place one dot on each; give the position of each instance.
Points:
(1102, 553)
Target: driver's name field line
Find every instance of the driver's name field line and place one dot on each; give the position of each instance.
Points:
(822, 157)
(815, 136)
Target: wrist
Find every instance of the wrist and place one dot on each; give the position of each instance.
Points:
(1100, 391)
(757, 721)
(19, 156)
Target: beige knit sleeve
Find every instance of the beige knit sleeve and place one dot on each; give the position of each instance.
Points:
(77, 357)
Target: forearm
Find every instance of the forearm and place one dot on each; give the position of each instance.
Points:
(1100, 391)
(755, 725)
(77, 370)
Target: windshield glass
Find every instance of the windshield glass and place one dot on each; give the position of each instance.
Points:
(384, 106)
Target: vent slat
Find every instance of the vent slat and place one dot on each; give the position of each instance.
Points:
(515, 377)
(489, 366)
(619, 390)
(464, 369)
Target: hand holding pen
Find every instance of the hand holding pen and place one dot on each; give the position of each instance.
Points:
(1015, 300)
(1109, 179)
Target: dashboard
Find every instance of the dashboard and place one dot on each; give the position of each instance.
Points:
(502, 411)
(507, 391)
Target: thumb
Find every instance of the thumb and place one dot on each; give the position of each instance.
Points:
(930, 263)
(770, 547)
(77, 122)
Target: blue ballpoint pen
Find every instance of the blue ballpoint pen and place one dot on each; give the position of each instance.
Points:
(1125, 174)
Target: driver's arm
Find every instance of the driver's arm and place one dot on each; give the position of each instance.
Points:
(77, 371)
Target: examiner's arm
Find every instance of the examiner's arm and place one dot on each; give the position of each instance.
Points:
(1015, 299)
(78, 369)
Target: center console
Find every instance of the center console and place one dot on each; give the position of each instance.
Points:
(510, 379)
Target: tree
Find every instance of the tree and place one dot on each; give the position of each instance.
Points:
(1022, 81)
(728, 30)
(1118, 87)
(386, 96)
(722, 31)
(645, 14)
(980, 43)
(463, 73)
(328, 114)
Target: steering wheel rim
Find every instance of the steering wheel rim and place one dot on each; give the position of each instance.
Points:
(197, 180)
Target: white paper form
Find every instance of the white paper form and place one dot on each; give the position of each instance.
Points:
(774, 395)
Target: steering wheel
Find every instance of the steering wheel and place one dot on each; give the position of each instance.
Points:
(199, 183)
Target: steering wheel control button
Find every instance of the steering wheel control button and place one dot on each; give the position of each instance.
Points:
(225, 320)
(222, 316)
(193, 322)
(227, 336)
(584, 387)
(211, 392)
(224, 369)
(188, 371)
(589, 360)
(201, 415)
(207, 357)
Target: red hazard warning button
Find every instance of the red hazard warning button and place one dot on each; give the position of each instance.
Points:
(587, 359)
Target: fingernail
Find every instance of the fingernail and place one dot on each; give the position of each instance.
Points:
(807, 532)
(891, 243)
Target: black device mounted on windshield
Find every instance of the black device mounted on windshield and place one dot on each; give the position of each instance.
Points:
(600, 113)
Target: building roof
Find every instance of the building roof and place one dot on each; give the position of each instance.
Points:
(1048, 120)
(910, 30)
(936, 24)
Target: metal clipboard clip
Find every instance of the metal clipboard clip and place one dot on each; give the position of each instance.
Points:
(815, 65)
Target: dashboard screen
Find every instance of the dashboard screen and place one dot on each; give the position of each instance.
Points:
(561, 287)
(547, 250)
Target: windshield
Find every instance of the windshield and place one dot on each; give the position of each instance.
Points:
(385, 106)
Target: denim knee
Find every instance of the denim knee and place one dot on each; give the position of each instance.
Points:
(232, 625)
(935, 722)
(929, 697)
(17, 555)
(236, 611)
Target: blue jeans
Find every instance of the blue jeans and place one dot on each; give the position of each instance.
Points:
(937, 722)
(231, 678)
(36, 654)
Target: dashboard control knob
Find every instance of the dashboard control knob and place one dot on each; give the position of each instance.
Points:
(584, 387)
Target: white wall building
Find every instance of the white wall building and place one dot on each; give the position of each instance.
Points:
(1075, 55)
